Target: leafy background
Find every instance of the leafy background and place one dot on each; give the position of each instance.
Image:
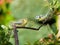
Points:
(29, 9)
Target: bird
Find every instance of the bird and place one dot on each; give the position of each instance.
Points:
(20, 22)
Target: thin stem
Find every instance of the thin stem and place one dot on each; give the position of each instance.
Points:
(30, 27)
(16, 36)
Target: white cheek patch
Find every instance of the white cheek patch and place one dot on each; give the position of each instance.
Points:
(37, 17)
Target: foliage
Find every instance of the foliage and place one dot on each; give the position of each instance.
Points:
(4, 36)
(28, 9)
(50, 40)
(5, 17)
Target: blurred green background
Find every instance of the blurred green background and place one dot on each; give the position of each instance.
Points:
(30, 9)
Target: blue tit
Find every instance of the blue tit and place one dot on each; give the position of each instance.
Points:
(45, 18)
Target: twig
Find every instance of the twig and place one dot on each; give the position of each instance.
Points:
(16, 36)
(29, 27)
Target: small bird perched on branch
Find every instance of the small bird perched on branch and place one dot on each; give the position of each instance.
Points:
(21, 22)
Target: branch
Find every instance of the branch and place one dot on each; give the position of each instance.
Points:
(29, 27)
(16, 36)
